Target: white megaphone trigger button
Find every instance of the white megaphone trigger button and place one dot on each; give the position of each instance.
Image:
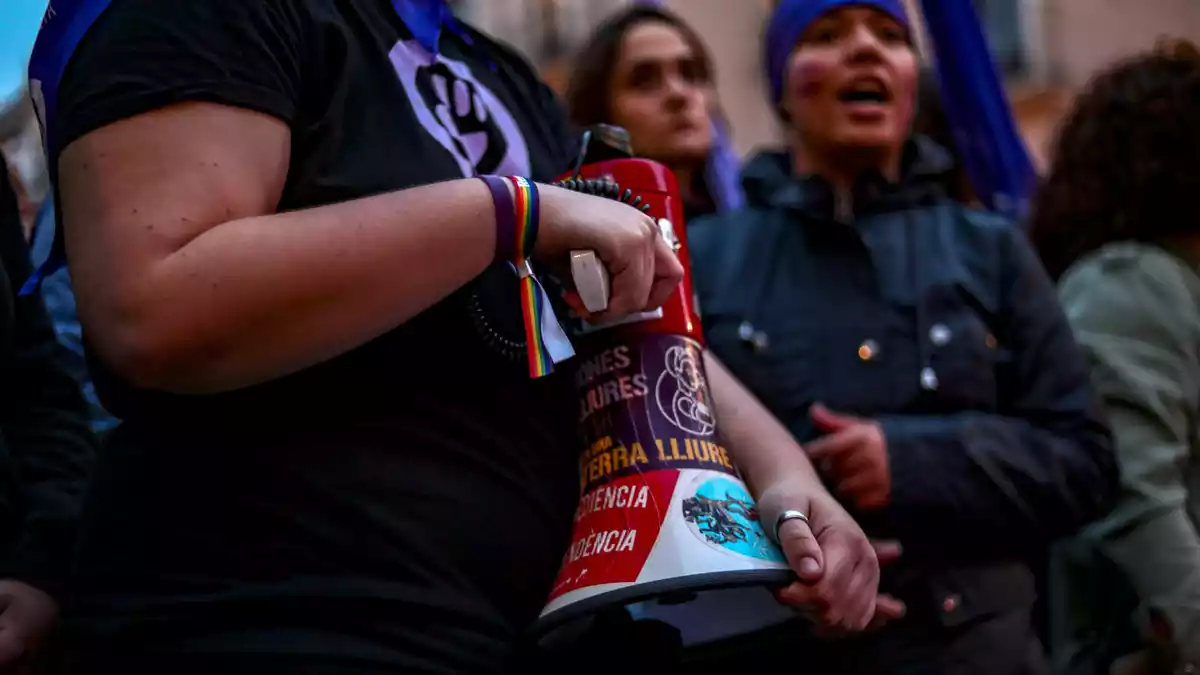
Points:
(591, 280)
(667, 230)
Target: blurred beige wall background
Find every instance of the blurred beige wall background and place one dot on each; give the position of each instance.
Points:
(1063, 42)
(1085, 34)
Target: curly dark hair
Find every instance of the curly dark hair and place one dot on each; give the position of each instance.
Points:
(1124, 165)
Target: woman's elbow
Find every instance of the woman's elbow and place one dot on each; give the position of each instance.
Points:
(146, 352)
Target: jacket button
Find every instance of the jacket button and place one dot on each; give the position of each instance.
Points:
(757, 339)
(929, 379)
(760, 341)
(940, 334)
(868, 350)
(951, 603)
(746, 331)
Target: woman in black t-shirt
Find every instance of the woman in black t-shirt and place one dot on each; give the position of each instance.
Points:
(333, 457)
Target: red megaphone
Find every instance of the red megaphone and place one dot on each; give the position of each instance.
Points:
(662, 510)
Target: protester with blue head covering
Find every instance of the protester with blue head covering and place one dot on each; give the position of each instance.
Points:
(974, 99)
(792, 18)
(912, 344)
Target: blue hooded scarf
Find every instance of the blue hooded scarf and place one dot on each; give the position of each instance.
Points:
(973, 94)
(789, 22)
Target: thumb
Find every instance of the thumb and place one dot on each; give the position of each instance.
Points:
(827, 420)
(887, 551)
(887, 608)
(803, 553)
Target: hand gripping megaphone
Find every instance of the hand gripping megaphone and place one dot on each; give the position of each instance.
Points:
(663, 514)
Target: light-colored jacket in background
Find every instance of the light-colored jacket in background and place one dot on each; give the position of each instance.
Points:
(1135, 309)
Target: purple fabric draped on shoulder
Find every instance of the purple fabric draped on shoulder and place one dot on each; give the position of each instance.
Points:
(977, 108)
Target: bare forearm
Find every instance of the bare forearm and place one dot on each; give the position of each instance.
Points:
(771, 461)
(260, 297)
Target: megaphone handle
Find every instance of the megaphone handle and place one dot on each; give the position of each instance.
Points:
(591, 280)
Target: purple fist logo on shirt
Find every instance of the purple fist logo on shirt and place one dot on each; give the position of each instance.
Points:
(459, 108)
(460, 112)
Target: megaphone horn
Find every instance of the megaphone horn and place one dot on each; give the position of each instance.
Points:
(663, 513)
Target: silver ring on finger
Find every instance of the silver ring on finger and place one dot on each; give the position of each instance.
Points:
(790, 514)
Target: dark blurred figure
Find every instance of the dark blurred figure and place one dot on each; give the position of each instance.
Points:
(46, 452)
(1116, 223)
(931, 121)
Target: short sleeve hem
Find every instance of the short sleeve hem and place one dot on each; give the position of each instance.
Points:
(75, 125)
(145, 55)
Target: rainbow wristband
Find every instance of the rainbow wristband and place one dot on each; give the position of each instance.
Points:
(516, 233)
(506, 220)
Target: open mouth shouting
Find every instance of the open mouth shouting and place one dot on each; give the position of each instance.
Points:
(865, 97)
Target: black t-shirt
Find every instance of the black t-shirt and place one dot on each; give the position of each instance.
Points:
(405, 505)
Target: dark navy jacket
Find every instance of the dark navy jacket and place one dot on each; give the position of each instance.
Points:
(939, 322)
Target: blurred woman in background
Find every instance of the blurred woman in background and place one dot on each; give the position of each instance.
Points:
(644, 69)
(913, 345)
(1115, 222)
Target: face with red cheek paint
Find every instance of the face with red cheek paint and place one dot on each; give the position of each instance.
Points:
(851, 83)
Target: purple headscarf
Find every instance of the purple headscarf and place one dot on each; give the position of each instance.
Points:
(792, 17)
